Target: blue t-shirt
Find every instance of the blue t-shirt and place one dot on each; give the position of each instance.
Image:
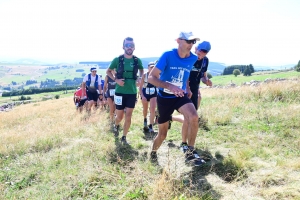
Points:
(174, 70)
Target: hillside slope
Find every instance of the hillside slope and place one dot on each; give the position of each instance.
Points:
(249, 137)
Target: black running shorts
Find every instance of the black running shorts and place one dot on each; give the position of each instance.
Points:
(92, 96)
(166, 106)
(124, 101)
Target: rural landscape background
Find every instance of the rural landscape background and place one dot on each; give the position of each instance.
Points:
(249, 136)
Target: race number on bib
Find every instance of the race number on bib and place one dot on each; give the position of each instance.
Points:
(150, 91)
(111, 92)
(118, 100)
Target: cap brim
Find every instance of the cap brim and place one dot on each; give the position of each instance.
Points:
(194, 38)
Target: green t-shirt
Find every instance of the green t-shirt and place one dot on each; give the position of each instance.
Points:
(129, 84)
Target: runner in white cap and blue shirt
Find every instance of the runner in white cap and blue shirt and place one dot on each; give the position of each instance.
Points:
(171, 76)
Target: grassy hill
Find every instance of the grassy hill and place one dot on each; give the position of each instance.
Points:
(249, 137)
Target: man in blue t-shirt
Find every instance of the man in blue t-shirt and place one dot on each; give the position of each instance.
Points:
(171, 76)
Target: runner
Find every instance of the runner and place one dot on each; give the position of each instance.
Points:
(171, 75)
(199, 72)
(92, 85)
(126, 66)
(109, 91)
(80, 98)
(148, 95)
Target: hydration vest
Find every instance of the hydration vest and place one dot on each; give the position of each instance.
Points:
(88, 83)
(146, 83)
(121, 70)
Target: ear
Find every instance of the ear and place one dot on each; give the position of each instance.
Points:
(123, 48)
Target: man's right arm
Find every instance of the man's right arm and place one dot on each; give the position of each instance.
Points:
(154, 79)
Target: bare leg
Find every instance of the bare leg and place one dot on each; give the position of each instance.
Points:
(152, 109)
(161, 136)
(112, 108)
(127, 123)
(119, 116)
(199, 99)
(145, 107)
(191, 118)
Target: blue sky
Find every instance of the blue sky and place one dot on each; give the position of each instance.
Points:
(260, 32)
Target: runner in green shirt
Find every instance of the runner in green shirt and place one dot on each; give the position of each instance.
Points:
(126, 66)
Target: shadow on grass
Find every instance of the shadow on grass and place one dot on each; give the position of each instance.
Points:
(123, 153)
(225, 168)
(149, 136)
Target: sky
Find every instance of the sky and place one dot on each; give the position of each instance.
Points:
(258, 32)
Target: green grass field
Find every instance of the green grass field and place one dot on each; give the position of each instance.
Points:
(249, 137)
(258, 76)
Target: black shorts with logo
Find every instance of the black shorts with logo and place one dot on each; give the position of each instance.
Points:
(124, 101)
(149, 93)
(166, 106)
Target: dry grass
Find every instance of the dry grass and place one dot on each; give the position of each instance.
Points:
(250, 138)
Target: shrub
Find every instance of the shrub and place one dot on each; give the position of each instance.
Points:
(22, 98)
(56, 96)
(209, 75)
(236, 72)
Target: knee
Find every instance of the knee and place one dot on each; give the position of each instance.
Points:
(162, 136)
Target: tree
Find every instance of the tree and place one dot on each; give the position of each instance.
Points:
(209, 75)
(251, 68)
(297, 67)
(247, 71)
(236, 72)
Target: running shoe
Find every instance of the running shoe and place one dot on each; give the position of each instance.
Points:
(124, 141)
(184, 147)
(116, 130)
(153, 156)
(192, 157)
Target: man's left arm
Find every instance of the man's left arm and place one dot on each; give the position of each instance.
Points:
(188, 90)
(206, 80)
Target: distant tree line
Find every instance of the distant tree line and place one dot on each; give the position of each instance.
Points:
(28, 82)
(247, 70)
(37, 91)
(297, 67)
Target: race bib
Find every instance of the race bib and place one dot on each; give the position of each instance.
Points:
(151, 91)
(111, 92)
(118, 100)
(179, 84)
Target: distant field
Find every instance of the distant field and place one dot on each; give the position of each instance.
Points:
(258, 76)
(22, 73)
(37, 97)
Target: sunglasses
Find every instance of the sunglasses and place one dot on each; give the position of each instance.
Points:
(203, 50)
(189, 41)
(94, 70)
(129, 45)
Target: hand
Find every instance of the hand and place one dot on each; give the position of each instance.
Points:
(120, 82)
(178, 92)
(208, 82)
(144, 98)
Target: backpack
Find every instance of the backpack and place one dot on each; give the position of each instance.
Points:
(120, 70)
(88, 83)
